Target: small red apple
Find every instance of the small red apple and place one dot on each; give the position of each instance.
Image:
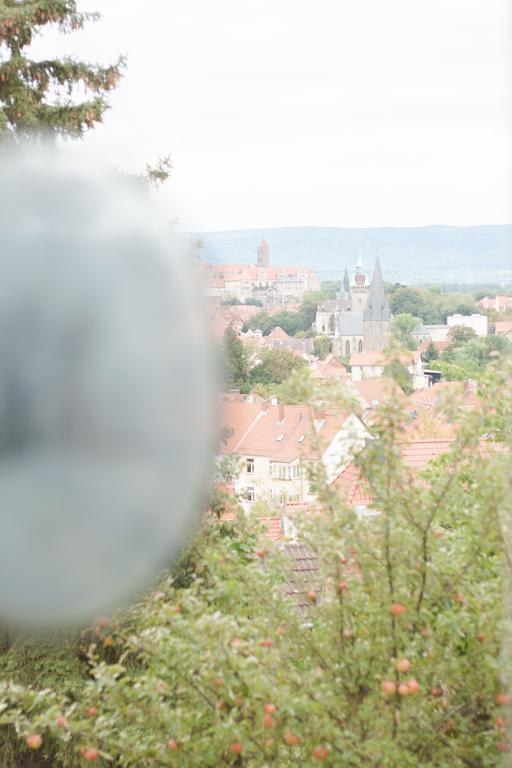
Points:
(91, 711)
(267, 643)
(320, 753)
(311, 596)
(481, 637)
(260, 553)
(437, 692)
(403, 665)
(270, 709)
(33, 741)
(403, 689)
(90, 753)
(342, 586)
(268, 721)
(502, 699)
(388, 687)
(172, 744)
(502, 747)
(291, 739)
(397, 609)
(61, 721)
(500, 723)
(237, 748)
(414, 686)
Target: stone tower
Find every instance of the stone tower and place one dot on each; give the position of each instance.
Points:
(263, 253)
(359, 289)
(376, 314)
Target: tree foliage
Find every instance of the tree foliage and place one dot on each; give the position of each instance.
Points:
(430, 353)
(431, 305)
(236, 362)
(275, 366)
(396, 370)
(42, 97)
(322, 346)
(394, 663)
(402, 328)
(291, 322)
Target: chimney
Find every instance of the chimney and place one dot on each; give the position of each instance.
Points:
(265, 406)
(281, 412)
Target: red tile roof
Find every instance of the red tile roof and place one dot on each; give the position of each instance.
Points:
(237, 417)
(504, 302)
(367, 358)
(353, 488)
(278, 333)
(503, 327)
(416, 455)
(273, 525)
(379, 358)
(330, 368)
(280, 432)
(374, 392)
(463, 393)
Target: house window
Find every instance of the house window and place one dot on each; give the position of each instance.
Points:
(250, 467)
(249, 493)
(282, 473)
(347, 348)
(359, 346)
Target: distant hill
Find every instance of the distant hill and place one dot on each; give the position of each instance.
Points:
(436, 254)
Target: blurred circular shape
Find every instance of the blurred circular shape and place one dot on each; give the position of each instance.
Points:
(106, 396)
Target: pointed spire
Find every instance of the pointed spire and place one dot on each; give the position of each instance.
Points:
(377, 307)
(359, 265)
(346, 282)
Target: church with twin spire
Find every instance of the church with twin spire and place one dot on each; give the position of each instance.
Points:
(359, 319)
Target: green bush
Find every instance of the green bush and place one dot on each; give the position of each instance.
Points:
(395, 661)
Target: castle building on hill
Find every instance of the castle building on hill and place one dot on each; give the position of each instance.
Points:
(359, 319)
(272, 285)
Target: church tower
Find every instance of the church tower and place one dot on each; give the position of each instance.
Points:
(359, 289)
(262, 253)
(344, 291)
(376, 314)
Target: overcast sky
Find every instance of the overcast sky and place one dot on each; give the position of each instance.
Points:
(311, 112)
